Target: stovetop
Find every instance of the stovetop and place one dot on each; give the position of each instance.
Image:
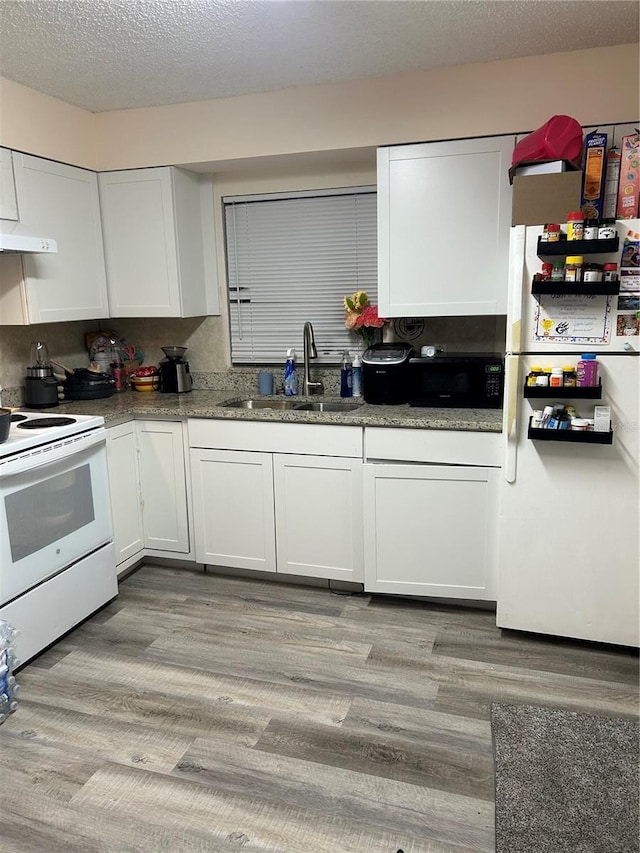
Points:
(31, 429)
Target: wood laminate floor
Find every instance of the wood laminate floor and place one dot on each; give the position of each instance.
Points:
(203, 713)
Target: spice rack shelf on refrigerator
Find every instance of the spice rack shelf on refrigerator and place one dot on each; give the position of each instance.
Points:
(593, 392)
(576, 436)
(581, 288)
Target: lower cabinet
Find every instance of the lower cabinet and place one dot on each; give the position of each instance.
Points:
(124, 485)
(431, 530)
(318, 503)
(148, 489)
(164, 486)
(277, 512)
(233, 514)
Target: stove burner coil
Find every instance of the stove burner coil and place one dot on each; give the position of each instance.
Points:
(44, 423)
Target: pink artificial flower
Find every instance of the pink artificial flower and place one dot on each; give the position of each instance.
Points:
(369, 319)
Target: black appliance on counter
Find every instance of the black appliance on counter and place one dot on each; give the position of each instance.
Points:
(385, 374)
(457, 380)
(175, 376)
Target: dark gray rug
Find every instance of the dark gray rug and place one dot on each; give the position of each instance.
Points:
(565, 781)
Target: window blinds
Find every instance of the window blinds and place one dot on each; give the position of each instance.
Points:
(293, 259)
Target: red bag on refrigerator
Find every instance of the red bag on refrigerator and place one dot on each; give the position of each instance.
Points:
(560, 138)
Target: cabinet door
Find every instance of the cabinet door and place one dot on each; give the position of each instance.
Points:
(318, 503)
(124, 485)
(8, 201)
(232, 494)
(153, 222)
(430, 530)
(163, 484)
(444, 217)
(62, 202)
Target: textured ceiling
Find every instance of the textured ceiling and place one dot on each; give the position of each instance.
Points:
(115, 54)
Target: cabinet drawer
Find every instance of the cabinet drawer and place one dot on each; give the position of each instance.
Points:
(316, 440)
(444, 447)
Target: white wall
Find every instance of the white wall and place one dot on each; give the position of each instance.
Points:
(466, 100)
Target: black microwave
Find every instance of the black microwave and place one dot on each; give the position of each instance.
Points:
(457, 380)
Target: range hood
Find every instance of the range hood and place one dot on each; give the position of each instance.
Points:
(15, 237)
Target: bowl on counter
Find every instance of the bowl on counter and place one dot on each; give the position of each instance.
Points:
(145, 379)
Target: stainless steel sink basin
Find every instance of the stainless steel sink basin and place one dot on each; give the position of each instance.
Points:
(336, 406)
(260, 404)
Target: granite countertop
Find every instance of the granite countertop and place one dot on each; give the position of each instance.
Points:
(209, 404)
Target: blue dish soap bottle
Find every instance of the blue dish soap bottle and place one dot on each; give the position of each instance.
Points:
(346, 375)
(290, 374)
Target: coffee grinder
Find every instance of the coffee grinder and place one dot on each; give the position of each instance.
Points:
(175, 377)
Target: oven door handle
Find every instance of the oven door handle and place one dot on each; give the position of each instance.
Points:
(52, 453)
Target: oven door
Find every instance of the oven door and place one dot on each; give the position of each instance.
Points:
(54, 510)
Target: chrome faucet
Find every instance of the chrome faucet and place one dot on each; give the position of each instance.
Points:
(310, 351)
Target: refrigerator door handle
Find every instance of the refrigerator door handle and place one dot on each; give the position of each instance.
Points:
(515, 291)
(510, 418)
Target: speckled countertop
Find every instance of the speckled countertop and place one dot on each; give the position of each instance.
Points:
(209, 404)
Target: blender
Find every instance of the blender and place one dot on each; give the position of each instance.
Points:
(40, 386)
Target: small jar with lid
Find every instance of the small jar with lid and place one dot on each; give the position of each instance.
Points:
(592, 272)
(573, 268)
(532, 376)
(591, 228)
(557, 271)
(575, 225)
(551, 233)
(569, 376)
(610, 272)
(607, 229)
(547, 269)
(555, 380)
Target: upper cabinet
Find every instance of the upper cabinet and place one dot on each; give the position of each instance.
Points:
(444, 218)
(8, 201)
(159, 243)
(62, 202)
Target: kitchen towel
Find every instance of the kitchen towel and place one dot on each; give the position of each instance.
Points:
(565, 781)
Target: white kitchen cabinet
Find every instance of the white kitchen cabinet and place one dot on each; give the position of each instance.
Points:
(159, 243)
(257, 507)
(444, 217)
(125, 491)
(8, 200)
(318, 502)
(163, 485)
(430, 530)
(233, 509)
(60, 202)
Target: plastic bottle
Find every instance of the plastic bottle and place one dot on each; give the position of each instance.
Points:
(290, 374)
(357, 376)
(587, 371)
(555, 380)
(346, 375)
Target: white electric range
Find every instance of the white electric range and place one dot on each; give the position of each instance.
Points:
(57, 560)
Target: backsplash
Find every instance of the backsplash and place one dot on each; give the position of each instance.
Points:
(207, 341)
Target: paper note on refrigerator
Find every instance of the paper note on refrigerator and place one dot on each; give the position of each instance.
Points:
(570, 319)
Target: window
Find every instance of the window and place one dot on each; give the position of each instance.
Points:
(291, 259)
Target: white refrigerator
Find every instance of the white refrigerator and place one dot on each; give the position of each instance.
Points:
(569, 555)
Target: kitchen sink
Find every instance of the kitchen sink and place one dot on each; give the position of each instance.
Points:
(335, 406)
(260, 404)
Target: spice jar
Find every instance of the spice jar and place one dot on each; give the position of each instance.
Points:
(610, 272)
(592, 272)
(569, 376)
(590, 229)
(551, 233)
(546, 271)
(557, 272)
(575, 225)
(573, 268)
(532, 376)
(607, 229)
